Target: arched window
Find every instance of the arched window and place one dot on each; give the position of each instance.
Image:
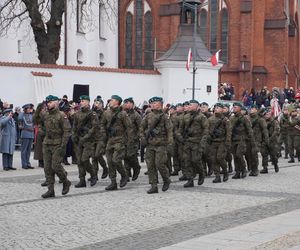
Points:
(139, 33)
(213, 25)
(203, 24)
(128, 40)
(148, 54)
(224, 35)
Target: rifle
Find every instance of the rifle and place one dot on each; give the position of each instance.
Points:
(187, 129)
(152, 132)
(111, 132)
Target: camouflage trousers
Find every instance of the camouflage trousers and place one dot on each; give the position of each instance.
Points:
(218, 151)
(284, 139)
(192, 159)
(52, 163)
(251, 156)
(207, 159)
(131, 160)
(272, 150)
(294, 144)
(238, 150)
(156, 160)
(99, 159)
(178, 157)
(115, 153)
(83, 154)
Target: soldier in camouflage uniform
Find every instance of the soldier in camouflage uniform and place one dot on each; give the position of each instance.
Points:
(219, 141)
(241, 129)
(171, 153)
(271, 148)
(227, 113)
(294, 135)
(85, 127)
(284, 125)
(156, 134)
(261, 135)
(194, 131)
(118, 133)
(131, 159)
(98, 157)
(54, 146)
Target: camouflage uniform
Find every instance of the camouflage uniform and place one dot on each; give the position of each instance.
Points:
(219, 143)
(206, 159)
(131, 158)
(157, 134)
(178, 146)
(117, 130)
(194, 131)
(284, 125)
(85, 127)
(294, 137)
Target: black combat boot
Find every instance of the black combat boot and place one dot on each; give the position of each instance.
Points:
(50, 193)
(236, 176)
(210, 172)
(174, 173)
(123, 181)
(276, 167)
(264, 170)
(292, 160)
(65, 161)
(217, 179)
(201, 179)
(225, 177)
(166, 185)
(190, 183)
(44, 184)
(81, 184)
(41, 163)
(153, 190)
(94, 180)
(253, 173)
(112, 186)
(183, 178)
(104, 173)
(244, 174)
(89, 179)
(66, 187)
(146, 173)
(136, 173)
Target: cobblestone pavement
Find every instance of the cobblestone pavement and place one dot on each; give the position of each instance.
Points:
(91, 218)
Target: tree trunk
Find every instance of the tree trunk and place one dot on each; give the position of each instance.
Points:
(46, 37)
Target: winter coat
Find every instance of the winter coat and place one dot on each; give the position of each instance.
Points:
(7, 135)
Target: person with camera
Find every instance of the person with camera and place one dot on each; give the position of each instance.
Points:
(7, 139)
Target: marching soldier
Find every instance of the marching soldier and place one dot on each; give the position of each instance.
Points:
(156, 133)
(117, 132)
(194, 131)
(241, 129)
(219, 141)
(98, 157)
(131, 158)
(284, 125)
(271, 148)
(227, 113)
(54, 146)
(171, 153)
(294, 135)
(85, 126)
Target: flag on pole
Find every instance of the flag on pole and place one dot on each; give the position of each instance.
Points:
(215, 58)
(189, 60)
(275, 107)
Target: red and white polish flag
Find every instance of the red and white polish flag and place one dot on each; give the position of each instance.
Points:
(189, 59)
(215, 58)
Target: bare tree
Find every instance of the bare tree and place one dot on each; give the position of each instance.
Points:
(46, 20)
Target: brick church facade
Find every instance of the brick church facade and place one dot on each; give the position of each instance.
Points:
(259, 39)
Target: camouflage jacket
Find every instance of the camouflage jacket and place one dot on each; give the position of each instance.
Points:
(136, 120)
(99, 113)
(294, 126)
(273, 129)
(85, 126)
(156, 129)
(259, 127)
(54, 123)
(284, 124)
(241, 128)
(219, 128)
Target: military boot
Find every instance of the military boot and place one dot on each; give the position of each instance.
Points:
(201, 179)
(264, 170)
(44, 184)
(94, 180)
(123, 181)
(217, 179)
(153, 190)
(136, 173)
(66, 187)
(244, 174)
(50, 193)
(166, 185)
(183, 178)
(104, 173)
(253, 173)
(276, 167)
(292, 160)
(174, 173)
(210, 172)
(112, 186)
(190, 183)
(236, 176)
(81, 184)
(225, 177)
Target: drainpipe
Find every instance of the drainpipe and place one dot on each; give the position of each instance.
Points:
(66, 34)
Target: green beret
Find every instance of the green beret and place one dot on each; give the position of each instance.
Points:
(172, 107)
(267, 110)
(254, 106)
(204, 104)
(84, 97)
(51, 98)
(194, 101)
(244, 108)
(238, 104)
(186, 103)
(220, 105)
(129, 99)
(98, 99)
(155, 99)
(116, 97)
(226, 105)
(179, 105)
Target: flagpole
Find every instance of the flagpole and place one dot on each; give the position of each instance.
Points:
(194, 52)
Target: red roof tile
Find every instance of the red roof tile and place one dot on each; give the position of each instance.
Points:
(45, 74)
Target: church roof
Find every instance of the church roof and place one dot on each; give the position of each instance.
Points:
(185, 41)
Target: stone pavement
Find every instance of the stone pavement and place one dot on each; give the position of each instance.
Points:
(254, 213)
